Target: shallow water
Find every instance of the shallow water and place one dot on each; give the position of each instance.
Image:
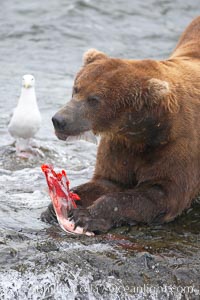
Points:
(38, 261)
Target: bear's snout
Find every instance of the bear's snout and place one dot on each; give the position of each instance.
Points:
(68, 121)
(59, 122)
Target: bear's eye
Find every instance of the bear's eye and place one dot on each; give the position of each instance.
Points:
(93, 100)
(75, 90)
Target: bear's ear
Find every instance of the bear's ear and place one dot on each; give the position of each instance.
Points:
(161, 93)
(91, 55)
(159, 87)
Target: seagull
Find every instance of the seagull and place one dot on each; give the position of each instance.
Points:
(26, 119)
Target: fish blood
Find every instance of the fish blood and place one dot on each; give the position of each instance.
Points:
(63, 200)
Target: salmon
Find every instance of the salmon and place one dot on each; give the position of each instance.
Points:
(63, 200)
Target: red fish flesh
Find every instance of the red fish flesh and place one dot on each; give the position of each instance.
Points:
(63, 200)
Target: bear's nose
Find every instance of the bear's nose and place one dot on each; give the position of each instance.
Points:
(58, 122)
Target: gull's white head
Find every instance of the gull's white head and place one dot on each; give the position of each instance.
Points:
(28, 81)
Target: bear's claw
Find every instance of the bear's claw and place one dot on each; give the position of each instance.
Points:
(83, 218)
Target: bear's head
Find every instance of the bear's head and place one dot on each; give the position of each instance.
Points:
(120, 98)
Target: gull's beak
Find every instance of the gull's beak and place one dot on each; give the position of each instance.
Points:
(27, 85)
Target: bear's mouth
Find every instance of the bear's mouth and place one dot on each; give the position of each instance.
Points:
(63, 136)
(86, 135)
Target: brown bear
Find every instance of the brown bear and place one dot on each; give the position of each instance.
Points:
(147, 114)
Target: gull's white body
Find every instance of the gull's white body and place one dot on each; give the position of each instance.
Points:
(26, 119)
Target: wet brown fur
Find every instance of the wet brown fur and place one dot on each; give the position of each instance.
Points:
(147, 114)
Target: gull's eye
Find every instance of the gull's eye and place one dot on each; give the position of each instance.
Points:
(32, 79)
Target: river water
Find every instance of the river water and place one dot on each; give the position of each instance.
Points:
(38, 261)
